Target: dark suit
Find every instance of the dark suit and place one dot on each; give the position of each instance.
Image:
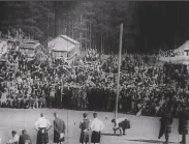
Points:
(84, 126)
(165, 127)
(183, 125)
(59, 127)
(24, 138)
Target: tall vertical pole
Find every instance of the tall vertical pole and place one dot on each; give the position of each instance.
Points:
(61, 90)
(90, 35)
(101, 45)
(80, 32)
(119, 67)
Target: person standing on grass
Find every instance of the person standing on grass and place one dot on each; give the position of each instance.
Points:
(84, 126)
(59, 129)
(165, 127)
(96, 126)
(42, 126)
(183, 124)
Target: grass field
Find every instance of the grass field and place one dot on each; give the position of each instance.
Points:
(144, 130)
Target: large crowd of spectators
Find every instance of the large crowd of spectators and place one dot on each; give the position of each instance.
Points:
(147, 86)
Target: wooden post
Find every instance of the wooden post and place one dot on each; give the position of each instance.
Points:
(119, 67)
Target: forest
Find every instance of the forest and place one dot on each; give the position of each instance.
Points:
(148, 26)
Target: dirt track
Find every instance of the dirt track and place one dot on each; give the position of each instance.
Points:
(144, 130)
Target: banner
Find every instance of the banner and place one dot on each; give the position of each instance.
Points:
(168, 53)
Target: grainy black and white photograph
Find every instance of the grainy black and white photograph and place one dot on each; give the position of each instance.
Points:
(94, 72)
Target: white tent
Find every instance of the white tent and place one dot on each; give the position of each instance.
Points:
(179, 55)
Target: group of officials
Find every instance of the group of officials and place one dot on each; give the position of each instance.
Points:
(96, 126)
(43, 125)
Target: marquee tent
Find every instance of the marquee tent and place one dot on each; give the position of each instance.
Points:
(179, 55)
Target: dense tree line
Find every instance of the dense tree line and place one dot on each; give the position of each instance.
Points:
(148, 26)
(34, 18)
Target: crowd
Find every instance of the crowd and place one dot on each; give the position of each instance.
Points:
(147, 87)
(90, 83)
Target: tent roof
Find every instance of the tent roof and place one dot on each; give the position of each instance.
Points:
(184, 46)
(179, 58)
(176, 60)
(62, 43)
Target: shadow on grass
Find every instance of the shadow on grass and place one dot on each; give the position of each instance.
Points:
(151, 141)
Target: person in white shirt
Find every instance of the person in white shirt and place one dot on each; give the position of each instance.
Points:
(14, 139)
(96, 126)
(121, 124)
(42, 126)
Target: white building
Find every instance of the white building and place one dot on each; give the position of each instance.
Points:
(64, 47)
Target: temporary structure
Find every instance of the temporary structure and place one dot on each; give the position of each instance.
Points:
(64, 47)
(178, 56)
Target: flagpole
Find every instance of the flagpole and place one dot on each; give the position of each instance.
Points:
(101, 45)
(119, 67)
